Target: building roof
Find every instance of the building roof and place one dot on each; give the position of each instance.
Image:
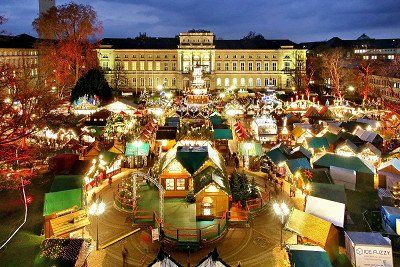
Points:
(216, 119)
(392, 166)
(348, 144)
(367, 238)
(19, 41)
(321, 176)
(365, 43)
(305, 256)
(278, 154)
(309, 226)
(191, 159)
(210, 175)
(300, 150)
(332, 192)
(351, 163)
(163, 259)
(62, 200)
(318, 142)
(212, 260)
(66, 182)
(331, 137)
(223, 134)
(173, 43)
(297, 164)
(166, 133)
(108, 156)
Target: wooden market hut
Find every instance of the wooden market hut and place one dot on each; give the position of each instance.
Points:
(212, 192)
(310, 229)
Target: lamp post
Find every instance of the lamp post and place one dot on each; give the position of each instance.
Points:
(282, 211)
(96, 209)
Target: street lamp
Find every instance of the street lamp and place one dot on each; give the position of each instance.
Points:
(96, 209)
(351, 88)
(282, 211)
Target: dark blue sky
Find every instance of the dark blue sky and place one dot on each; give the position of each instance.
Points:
(298, 20)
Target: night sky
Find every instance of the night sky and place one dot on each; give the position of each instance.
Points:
(308, 20)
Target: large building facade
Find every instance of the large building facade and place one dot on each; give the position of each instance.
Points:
(140, 63)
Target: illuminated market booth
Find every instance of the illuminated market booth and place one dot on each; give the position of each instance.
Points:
(265, 128)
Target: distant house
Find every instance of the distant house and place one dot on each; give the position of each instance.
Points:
(351, 171)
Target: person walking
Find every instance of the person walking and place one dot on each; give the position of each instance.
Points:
(125, 257)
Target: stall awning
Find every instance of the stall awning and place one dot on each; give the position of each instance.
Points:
(216, 120)
(62, 200)
(133, 149)
(223, 134)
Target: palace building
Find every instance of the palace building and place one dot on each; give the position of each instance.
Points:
(136, 64)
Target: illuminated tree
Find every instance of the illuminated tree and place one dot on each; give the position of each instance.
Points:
(335, 67)
(67, 49)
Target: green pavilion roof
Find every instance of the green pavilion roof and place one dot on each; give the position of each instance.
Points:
(66, 182)
(297, 164)
(62, 200)
(223, 134)
(332, 192)
(350, 163)
(318, 142)
(308, 257)
(192, 158)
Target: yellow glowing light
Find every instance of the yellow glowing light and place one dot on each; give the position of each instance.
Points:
(212, 189)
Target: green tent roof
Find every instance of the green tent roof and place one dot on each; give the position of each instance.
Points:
(277, 155)
(66, 182)
(210, 175)
(350, 163)
(300, 163)
(306, 258)
(192, 159)
(216, 120)
(108, 156)
(62, 200)
(332, 192)
(318, 142)
(256, 149)
(223, 134)
(331, 137)
(132, 150)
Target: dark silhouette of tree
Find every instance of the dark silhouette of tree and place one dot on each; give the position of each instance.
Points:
(93, 83)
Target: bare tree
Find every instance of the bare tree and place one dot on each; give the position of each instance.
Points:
(119, 78)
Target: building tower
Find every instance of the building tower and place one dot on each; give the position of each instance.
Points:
(45, 5)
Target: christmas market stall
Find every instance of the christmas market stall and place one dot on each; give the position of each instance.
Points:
(310, 229)
(306, 255)
(389, 176)
(222, 136)
(121, 106)
(265, 128)
(166, 137)
(136, 153)
(350, 171)
(64, 199)
(250, 150)
(328, 202)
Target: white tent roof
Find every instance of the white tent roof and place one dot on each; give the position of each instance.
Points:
(328, 210)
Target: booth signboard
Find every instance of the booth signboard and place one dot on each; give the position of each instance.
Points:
(368, 249)
(155, 234)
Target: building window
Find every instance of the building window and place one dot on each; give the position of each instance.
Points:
(166, 66)
(234, 66)
(174, 81)
(299, 65)
(227, 82)
(242, 82)
(207, 209)
(218, 81)
(287, 65)
(150, 81)
(134, 82)
(234, 56)
(165, 83)
(242, 66)
(142, 82)
(274, 66)
(266, 82)
(374, 57)
(218, 65)
(234, 81)
(250, 82)
(250, 66)
(158, 67)
(274, 81)
(287, 82)
(226, 65)
(150, 65)
(258, 82)
(258, 66)
(390, 56)
(365, 57)
(133, 65)
(173, 66)
(141, 65)
(105, 65)
(169, 184)
(126, 65)
(266, 66)
(180, 184)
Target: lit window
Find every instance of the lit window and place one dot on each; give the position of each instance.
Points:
(250, 66)
(226, 81)
(219, 82)
(169, 184)
(258, 82)
(180, 184)
(258, 66)
(242, 82)
(266, 66)
(274, 66)
(250, 82)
